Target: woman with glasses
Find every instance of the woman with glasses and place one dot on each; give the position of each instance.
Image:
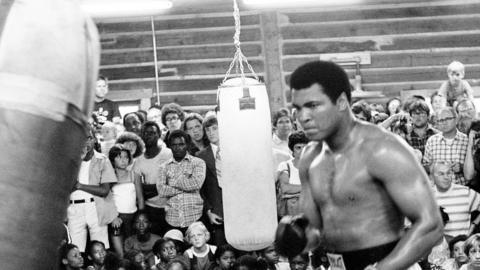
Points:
(172, 117)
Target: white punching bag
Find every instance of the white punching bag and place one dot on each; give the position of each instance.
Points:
(49, 57)
(250, 214)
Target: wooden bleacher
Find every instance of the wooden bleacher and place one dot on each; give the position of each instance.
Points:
(410, 43)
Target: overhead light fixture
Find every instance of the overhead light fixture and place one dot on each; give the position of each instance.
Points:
(102, 9)
(298, 3)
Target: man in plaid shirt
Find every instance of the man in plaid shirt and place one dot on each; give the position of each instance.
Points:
(181, 178)
(421, 129)
(450, 145)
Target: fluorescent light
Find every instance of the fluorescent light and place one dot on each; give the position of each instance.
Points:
(100, 9)
(298, 3)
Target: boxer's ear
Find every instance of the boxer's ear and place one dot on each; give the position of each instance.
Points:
(342, 102)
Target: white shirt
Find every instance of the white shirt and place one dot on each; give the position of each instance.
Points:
(294, 178)
(83, 178)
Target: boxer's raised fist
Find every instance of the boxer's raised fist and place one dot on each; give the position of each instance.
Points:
(291, 238)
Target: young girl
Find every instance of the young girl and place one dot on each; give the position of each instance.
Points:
(288, 176)
(96, 254)
(300, 262)
(200, 254)
(269, 257)
(457, 253)
(127, 194)
(472, 249)
(166, 250)
(70, 257)
(225, 257)
(133, 143)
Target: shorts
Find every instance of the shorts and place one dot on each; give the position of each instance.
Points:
(359, 259)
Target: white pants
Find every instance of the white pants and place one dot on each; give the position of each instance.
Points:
(81, 217)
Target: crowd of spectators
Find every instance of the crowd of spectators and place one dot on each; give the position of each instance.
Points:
(149, 190)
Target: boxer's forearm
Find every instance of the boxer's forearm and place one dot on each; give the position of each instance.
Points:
(414, 245)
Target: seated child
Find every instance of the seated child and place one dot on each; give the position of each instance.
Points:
(137, 258)
(246, 262)
(70, 257)
(457, 254)
(200, 254)
(300, 262)
(271, 259)
(166, 250)
(472, 250)
(142, 240)
(456, 88)
(96, 254)
(225, 257)
(177, 264)
(177, 237)
(112, 261)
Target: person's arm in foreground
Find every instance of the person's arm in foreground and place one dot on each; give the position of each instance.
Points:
(407, 185)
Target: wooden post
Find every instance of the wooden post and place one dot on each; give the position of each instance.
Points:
(272, 50)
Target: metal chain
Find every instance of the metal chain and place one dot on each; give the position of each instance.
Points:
(238, 58)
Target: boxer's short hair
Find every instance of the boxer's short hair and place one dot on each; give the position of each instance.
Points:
(332, 78)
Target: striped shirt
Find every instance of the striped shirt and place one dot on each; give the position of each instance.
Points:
(437, 149)
(180, 183)
(459, 201)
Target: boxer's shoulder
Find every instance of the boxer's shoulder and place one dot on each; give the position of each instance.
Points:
(374, 138)
(310, 152)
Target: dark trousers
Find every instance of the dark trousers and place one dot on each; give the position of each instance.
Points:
(217, 232)
(218, 235)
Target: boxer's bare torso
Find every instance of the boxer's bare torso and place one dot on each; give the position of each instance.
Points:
(356, 210)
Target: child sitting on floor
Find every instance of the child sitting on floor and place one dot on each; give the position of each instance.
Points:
(225, 257)
(200, 254)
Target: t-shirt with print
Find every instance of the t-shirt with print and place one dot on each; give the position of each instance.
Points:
(105, 110)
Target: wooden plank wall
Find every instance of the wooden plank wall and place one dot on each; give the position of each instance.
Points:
(410, 42)
(194, 52)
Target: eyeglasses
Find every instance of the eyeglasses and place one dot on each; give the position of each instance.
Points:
(444, 120)
(171, 119)
(416, 114)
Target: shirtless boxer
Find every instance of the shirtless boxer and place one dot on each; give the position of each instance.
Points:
(359, 182)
